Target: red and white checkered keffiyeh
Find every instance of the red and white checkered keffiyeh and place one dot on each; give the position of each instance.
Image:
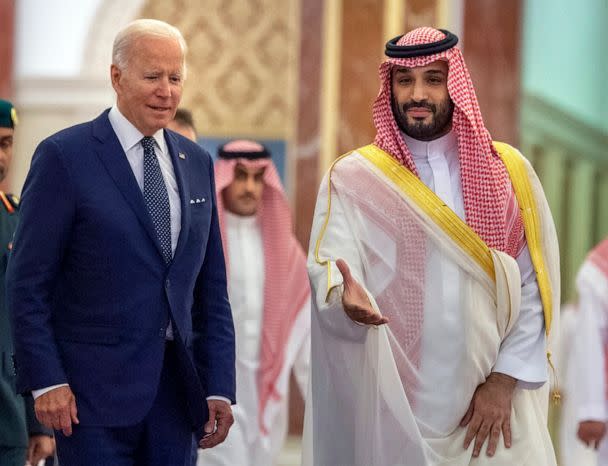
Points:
(286, 287)
(599, 257)
(491, 209)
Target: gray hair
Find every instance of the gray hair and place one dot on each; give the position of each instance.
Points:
(141, 28)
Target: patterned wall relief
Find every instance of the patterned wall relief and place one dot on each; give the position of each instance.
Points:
(242, 63)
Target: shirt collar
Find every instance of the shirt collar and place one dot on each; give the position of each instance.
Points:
(128, 135)
(240, 221)
(423, 149)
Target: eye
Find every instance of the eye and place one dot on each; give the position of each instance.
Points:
(176, 79)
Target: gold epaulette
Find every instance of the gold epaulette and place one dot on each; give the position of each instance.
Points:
(10, 202)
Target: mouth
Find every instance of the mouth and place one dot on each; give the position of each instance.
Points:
(418, 112)
(160, 109)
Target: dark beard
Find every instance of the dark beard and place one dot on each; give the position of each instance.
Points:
(440, 125)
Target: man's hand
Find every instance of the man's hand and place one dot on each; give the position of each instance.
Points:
(220, 420)
(39, 448)
(591, 432)
(56, 409)
(355, 301)
(490, 413)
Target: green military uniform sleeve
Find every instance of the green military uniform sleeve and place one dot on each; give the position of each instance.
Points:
(33, 426)
(13, 423)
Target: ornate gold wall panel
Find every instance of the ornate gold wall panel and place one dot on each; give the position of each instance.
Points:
(242, 63)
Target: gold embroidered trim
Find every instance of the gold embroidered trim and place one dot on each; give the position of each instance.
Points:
(326, 262)
(525, 198)
(433, 206)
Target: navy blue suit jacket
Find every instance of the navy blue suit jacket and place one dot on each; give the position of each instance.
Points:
(90, 294)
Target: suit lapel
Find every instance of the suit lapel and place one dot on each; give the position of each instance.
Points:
(179, 167)
(115, 160)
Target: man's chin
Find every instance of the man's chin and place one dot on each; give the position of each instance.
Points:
(420, 122)
(421, 133)
(245, 210)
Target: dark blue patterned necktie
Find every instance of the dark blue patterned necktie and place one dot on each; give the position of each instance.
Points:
(156, 197)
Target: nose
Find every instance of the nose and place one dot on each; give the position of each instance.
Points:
(418, 92)
(250, 184)
(164, 88)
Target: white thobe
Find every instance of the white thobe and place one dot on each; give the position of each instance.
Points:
(245, 446)
(375, 420)
(522, 353)
(586, 367)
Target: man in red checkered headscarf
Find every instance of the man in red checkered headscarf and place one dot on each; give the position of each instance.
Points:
(270, 300)
(402, 230)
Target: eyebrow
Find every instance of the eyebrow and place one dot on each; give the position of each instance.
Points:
(241, 168)
(408, 70)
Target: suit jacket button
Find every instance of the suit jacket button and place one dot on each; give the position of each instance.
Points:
(162, 332)
(167, 283)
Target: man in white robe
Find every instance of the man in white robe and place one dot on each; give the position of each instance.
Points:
(270, 297)
(586, 378)
(433, 294)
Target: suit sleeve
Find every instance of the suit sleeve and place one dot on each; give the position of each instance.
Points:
(47, 211)
(213, 329)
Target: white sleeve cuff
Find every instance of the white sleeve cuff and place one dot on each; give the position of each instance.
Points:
(592, 412)
(218, 397)
(42, 391)
(530, 376)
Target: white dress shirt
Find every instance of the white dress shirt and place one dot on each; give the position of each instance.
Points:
(130, 140)
(522, 353)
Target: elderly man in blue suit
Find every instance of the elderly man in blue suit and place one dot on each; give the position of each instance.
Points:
(117, 284)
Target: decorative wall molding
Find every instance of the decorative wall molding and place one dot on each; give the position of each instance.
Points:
(83, 93)
(545, 120)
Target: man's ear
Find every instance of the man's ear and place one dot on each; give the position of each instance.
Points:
(115, 74)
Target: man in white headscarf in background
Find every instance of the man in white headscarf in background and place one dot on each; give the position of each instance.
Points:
(270, 298)
(434, 268)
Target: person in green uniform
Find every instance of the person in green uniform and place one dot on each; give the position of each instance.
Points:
(22, 437)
